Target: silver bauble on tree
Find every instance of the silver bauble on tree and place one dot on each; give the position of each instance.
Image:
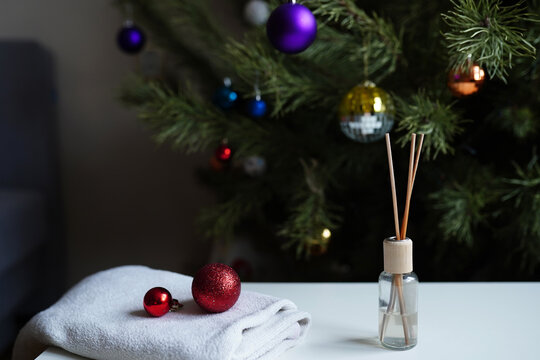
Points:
(256, 12)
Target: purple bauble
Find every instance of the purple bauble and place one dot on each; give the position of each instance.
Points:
(291, 28)
(130, 38)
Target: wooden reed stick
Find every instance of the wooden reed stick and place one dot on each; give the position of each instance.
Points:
(417, 160)
(398, 279)
(392, 184)
(409, 188)
(389, 309)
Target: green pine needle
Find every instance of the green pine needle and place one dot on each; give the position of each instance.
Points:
(524, 191)
(311, 214)
(423, 115)
(488, 33)
(463, 206)
(521, 122)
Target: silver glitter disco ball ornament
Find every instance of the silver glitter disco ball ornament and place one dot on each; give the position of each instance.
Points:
(366, 113)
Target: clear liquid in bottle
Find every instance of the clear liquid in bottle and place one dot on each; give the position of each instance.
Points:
(394, 335)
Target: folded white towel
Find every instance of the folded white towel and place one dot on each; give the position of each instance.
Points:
(103, 317)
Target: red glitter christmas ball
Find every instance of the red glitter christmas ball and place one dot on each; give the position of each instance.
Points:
(216, 287)
(157, 301)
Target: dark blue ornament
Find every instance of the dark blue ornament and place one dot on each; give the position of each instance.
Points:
(131, 38)
(225, 97)
(256, 107)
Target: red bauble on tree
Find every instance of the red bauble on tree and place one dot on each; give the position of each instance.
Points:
(223, 152)
(216, 287)
(158, 301)
(222, 156)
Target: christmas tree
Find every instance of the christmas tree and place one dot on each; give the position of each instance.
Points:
(305, 178)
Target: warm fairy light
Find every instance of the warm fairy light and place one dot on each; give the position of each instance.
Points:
(478, 73)
(326, 234)
(377, 104)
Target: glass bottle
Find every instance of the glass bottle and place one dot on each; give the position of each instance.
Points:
(398, 296)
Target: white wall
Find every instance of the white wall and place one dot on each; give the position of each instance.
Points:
(126, 201)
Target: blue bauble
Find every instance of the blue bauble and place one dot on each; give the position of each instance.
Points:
(291, 28)
(131, 39)
(256, 107)
(225, 97)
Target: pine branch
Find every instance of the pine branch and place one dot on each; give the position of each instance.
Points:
(289, 83)
(520, 121)
(464, 205)
(489, 33)
(318, 76)
(376, 39)
(423, 115)
(189, 123)
(221, 220)
(310, 215)
(524, 191)
(164, 21)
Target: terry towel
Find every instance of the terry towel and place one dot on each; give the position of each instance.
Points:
(102, 317)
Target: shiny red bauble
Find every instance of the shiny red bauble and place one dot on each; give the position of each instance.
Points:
(216, 287)
(157, 301)
(223, 152)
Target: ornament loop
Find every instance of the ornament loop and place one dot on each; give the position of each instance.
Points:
(369, 84)
(256, 88)
(128, 11)
(175, 305)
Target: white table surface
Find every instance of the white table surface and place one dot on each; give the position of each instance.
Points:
(455, 321)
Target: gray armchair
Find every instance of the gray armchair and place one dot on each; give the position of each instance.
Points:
(31, 260)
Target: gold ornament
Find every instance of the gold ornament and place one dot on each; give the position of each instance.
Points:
(366, 113)
(465, 82)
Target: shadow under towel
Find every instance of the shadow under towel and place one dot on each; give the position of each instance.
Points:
(102, 317)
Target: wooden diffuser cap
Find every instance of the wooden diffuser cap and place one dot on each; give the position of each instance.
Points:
(398, 255)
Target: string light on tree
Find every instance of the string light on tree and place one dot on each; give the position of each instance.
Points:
(326, 234)
(291, 28)
(256, 12)
(319, 245)
(366, 113)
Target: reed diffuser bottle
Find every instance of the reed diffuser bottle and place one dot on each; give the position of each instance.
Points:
(398, 294)
(398, 284)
